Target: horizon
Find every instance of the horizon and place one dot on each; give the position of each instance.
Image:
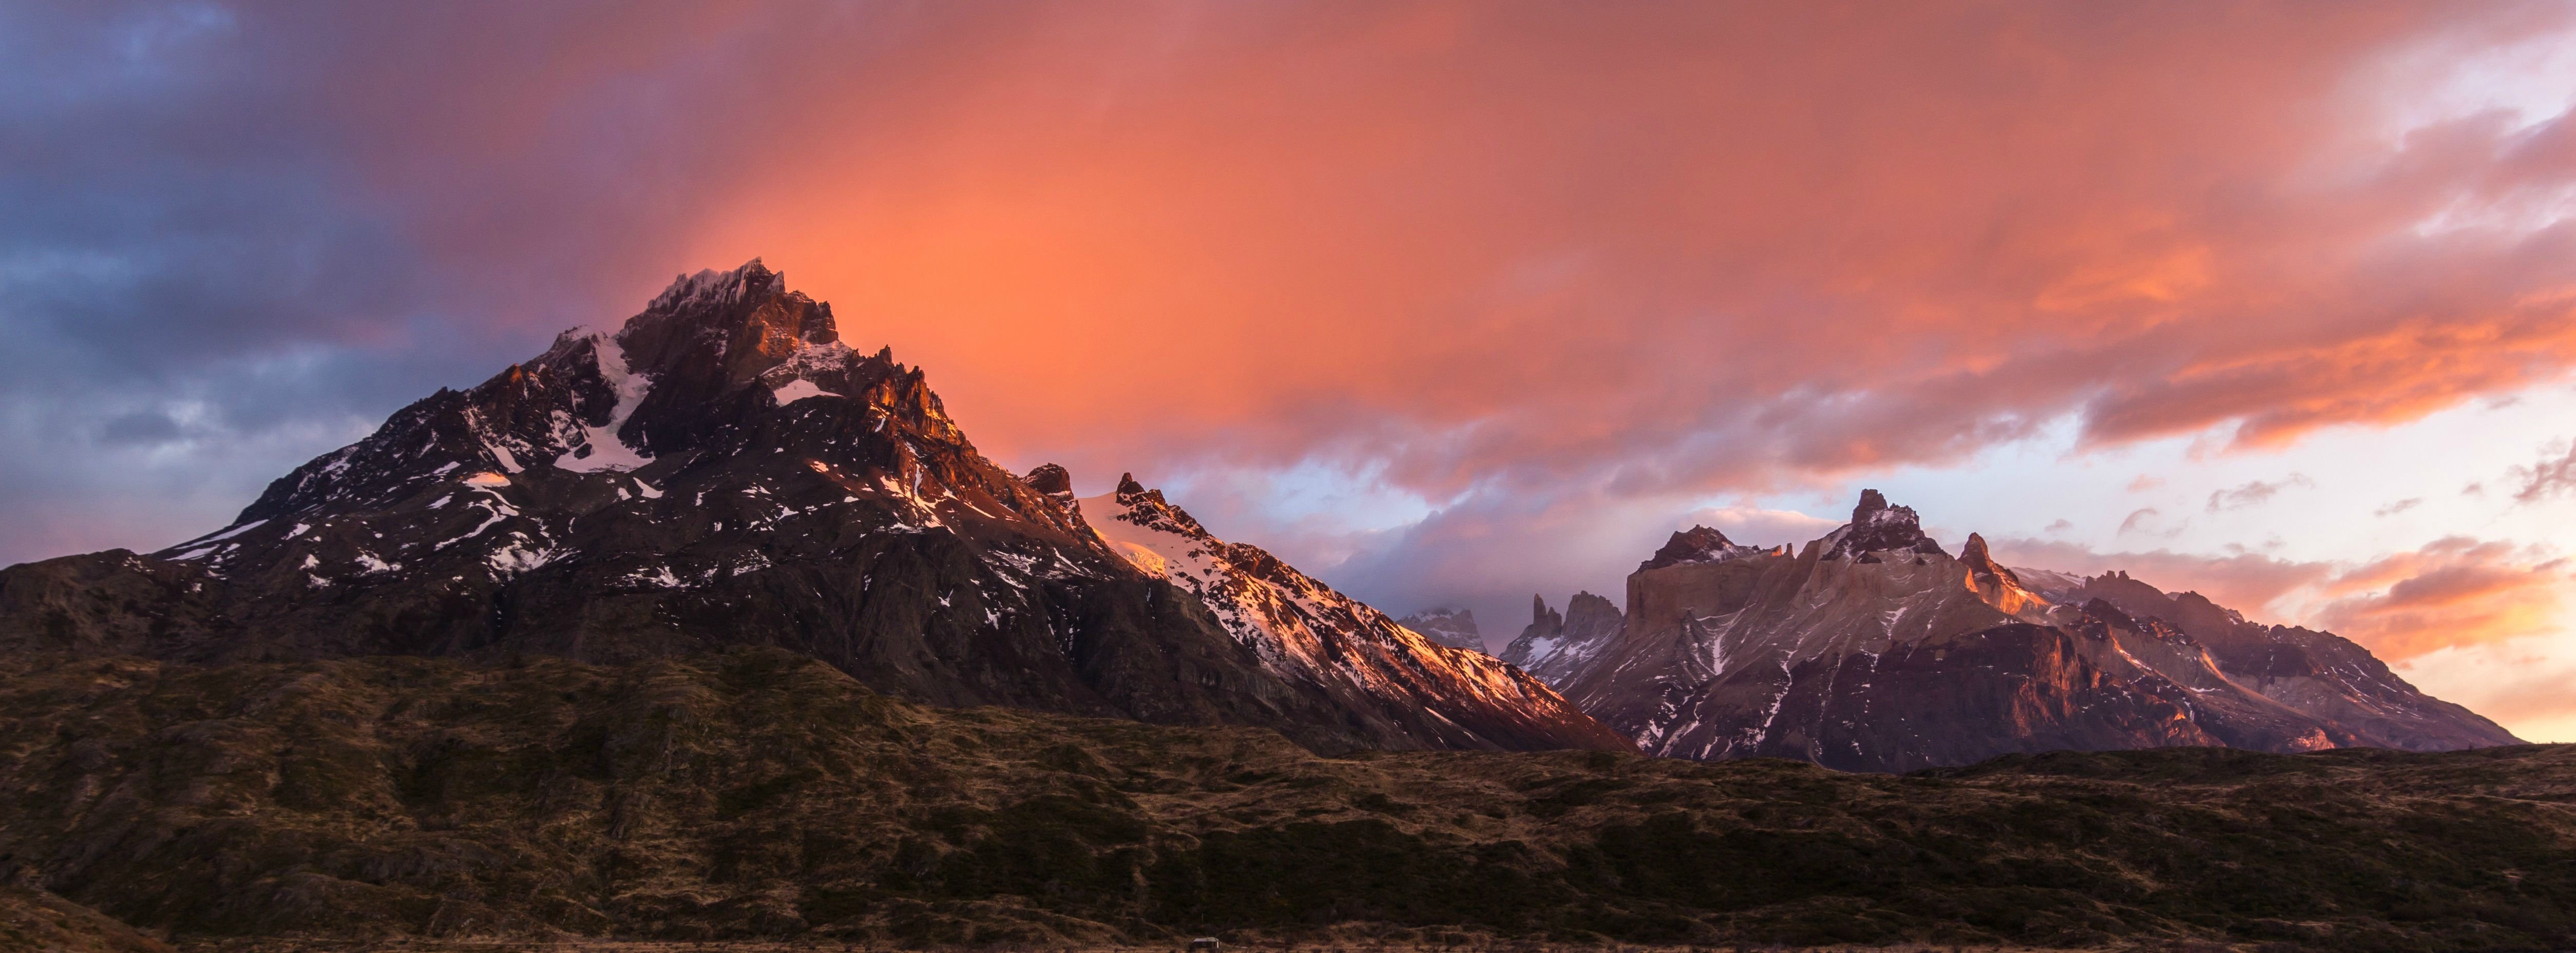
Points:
(1445, 305)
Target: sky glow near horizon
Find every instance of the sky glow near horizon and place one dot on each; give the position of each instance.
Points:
(1448, 304)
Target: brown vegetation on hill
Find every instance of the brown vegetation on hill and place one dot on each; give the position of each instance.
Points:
(758, 794)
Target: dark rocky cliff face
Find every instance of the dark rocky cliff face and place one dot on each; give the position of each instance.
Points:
(719, 471)
(1874, 650)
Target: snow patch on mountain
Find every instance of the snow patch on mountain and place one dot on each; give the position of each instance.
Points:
(796, 390)
(594, 449)
(1298, 626)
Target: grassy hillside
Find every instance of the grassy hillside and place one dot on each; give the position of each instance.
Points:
(758, 795)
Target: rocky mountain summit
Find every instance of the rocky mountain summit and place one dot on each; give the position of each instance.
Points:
(1700, 544)
(1873, 649)
(721, 470)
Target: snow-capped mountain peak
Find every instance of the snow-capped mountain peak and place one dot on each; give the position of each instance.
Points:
(720, 470)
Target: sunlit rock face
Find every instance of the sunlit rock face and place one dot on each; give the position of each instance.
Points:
(721, 470)
(1873, 649)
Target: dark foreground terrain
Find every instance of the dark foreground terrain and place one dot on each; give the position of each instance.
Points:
(761, 798)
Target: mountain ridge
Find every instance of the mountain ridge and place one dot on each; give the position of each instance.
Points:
(1873, 649)
(719, 470)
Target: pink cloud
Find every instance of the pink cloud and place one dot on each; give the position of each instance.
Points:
(2453, 592)
(1492, 247)
(1677, 249)
(2553, 474)
(1548, 267)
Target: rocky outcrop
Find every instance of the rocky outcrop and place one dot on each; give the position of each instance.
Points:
(1878, 531)
(1554, 646)
(719, 470)
(1874, 650)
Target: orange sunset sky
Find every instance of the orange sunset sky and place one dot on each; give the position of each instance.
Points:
(1446, 303)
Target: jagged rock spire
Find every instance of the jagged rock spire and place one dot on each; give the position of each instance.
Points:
(1974, 556)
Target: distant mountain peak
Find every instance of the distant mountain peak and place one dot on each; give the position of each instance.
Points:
(1874, 650)
(1698, 544)
(1556, 645)
(1877, 527)
(1541, 615)
(1450, 626)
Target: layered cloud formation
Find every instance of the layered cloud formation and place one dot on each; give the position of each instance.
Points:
(1497, 293)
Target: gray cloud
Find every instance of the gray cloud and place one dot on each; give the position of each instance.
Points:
(2553, 474)
(2254, 493)
(206, 275)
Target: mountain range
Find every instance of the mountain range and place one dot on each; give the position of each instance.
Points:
(709, 627)
(1874, 649)
(722, 470)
